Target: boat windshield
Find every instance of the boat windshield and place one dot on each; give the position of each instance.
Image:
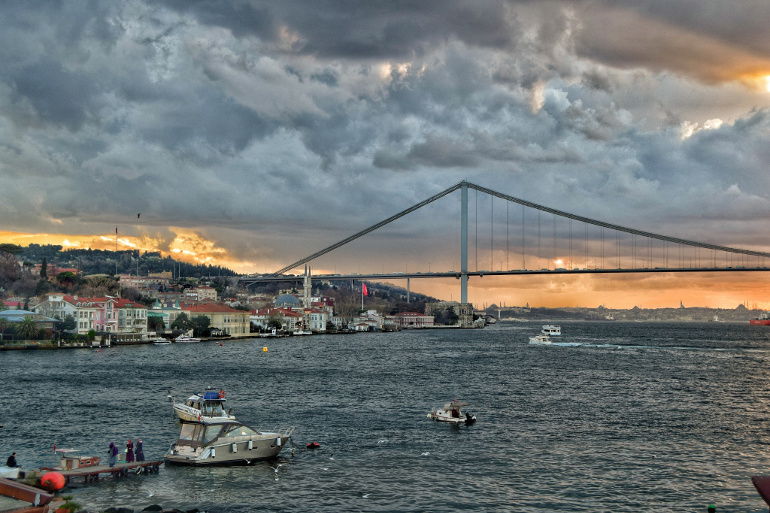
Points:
(199, 433)
(190, 432)
(240, 431)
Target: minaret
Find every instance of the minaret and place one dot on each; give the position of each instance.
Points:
(307, 288)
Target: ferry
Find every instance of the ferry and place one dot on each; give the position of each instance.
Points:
(762, 320)
(551, 330)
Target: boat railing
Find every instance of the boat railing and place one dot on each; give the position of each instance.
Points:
(281, 431)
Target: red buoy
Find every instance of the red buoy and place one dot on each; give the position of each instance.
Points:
(313, 445)
(52, 481)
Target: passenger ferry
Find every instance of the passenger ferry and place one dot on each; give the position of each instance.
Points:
(551, 330)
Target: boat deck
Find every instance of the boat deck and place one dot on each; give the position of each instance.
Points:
(119, 470)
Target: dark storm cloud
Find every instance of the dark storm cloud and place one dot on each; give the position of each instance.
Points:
(56, 95)
(284, 118)
(360, 30)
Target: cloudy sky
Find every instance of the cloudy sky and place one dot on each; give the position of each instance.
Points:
(253, 133)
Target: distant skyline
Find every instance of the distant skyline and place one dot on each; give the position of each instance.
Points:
(251, 134)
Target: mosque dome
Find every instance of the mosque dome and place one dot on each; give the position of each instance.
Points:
(286, 300)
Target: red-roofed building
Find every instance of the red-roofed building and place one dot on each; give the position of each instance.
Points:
(231, 321)
(105, 314)
(290, 321)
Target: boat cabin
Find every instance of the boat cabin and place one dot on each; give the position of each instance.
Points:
(200, 435)
(209, 405)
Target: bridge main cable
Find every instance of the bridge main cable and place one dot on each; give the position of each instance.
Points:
(615, 226)
(370, 229)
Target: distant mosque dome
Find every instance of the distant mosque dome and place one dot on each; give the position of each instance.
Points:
(286, 300)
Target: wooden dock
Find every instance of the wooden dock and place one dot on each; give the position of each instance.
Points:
(120, 469)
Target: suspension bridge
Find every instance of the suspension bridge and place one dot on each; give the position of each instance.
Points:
(610, 249)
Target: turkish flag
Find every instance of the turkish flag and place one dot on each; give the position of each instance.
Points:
(364, 284)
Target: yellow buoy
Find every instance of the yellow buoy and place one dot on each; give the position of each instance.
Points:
(264, 349)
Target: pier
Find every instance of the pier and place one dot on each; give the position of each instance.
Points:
(120, 469)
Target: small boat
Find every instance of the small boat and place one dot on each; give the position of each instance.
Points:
(226, 443)
(551, 329)
(452, 413)
(541, 340)
(185, 338)
(160, 340)
(206, 407)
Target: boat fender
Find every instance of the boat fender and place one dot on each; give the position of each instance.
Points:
(213, 452)
(52, 481)
(124, 472)
(251, 444)
(235, 447)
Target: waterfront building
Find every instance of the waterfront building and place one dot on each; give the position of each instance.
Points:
(290, 320)
(14, 316)
(413, 320)
(231, 321)
(101, 314)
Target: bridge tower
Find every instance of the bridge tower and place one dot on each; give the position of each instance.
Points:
(464, 242)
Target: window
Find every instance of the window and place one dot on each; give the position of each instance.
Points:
(240, 431)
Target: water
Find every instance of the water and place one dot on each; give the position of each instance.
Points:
(638, 417)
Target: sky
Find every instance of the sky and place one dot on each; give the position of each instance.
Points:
(253, 133)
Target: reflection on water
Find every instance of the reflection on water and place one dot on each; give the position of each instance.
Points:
(664, 417)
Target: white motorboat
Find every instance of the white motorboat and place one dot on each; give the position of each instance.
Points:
(160, 340)
(542, 340)
(226, 443)
(452, 413)
(206, 407)
(551, 329)
(185, 338)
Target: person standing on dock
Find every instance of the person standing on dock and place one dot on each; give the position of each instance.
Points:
(130, 451)
(113, 452)
(139, 452)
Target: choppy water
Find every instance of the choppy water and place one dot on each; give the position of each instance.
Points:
(639, 417)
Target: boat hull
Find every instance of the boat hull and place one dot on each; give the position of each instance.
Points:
(266, 446)
(760, 322)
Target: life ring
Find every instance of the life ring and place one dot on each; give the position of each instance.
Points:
(221, 394)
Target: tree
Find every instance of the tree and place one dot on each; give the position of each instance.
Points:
(200, 325)
(182, 322)
(42, 287)
(155, 323)
(27, 329)
(275, 320)
(68, 323)
(11, 249)
(66, 279)
(44, 269)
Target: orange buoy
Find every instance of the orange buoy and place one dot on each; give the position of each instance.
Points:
(52, 481)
